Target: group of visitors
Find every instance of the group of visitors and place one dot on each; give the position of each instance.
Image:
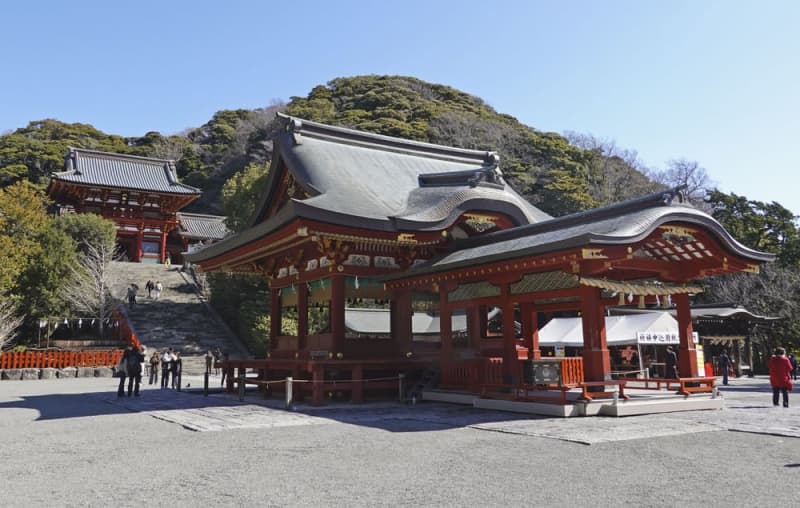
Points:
(154, 287)
(171, 367)
(133, 290)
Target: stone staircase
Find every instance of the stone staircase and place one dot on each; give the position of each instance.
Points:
(180, 319)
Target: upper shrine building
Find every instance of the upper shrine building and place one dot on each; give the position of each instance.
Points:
(350, 216)
(142, 196)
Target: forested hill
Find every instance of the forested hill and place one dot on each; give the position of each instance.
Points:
(552, 173)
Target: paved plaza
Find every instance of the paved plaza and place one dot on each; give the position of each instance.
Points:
(72, 442)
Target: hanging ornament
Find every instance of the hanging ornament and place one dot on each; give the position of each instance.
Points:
(42, 324)
(92, 322)
(80, 322)
(65, 321)
(630, 297)
(356, 283)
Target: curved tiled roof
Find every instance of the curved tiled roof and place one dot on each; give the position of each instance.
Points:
(381, 182)
(205, 227)
(620, 224)
(89, 167)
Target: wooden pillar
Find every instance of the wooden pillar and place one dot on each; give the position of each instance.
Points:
(530, 330)
(302, 315)
(358, 387)
(317, 390)
(401, 318)
(163, 247)
(596, 359)
(510, 357)
(275, 318)
(687, 354)
(474, 327)
(445, 326)
(337, 312)
(483, 315)
(139, 242)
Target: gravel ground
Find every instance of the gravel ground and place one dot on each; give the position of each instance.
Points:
(73, 443)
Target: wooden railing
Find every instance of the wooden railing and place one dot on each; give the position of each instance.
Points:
(126, 331)
(471, 375)
(59, 359)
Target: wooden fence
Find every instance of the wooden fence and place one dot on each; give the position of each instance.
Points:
(59, 359)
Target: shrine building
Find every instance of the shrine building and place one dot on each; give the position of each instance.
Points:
(142, 196)
(351, 219)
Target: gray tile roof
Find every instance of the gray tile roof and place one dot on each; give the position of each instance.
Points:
(203, 227)
(620, 224)
(376, 182)
(380, 182)
(89, 167)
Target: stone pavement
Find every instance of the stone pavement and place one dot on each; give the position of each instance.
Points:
(748, 408)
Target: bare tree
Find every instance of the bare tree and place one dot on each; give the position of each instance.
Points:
(90, 288)
(688, 173)
(9, 322)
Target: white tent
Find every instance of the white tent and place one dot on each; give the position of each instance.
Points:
(620, 330)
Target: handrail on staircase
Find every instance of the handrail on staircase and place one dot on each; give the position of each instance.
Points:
(126, 329)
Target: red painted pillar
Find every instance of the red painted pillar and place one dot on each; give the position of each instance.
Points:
(596, 359)
(358, 388)
(302, 315)
(163, 247)
(317, 378)
(445, 326)
(474, 327)
(401, 315)
(687, 354)
(337, 312)
(139, 242)
(510, 357)
(530, 330)
(275, 318)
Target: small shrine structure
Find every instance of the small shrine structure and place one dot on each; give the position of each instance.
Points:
(141, 195)
(356, 219)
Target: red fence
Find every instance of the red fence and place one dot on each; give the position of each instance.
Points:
(471, 375)
(59, 359)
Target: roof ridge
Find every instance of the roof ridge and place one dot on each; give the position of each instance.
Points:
(115, 155)
(300, 127)
(663, 198)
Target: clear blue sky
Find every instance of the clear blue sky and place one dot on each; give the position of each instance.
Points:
(711, 81)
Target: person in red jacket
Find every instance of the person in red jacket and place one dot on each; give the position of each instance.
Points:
(779, 369)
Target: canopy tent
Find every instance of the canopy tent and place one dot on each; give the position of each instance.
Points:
(620, 330)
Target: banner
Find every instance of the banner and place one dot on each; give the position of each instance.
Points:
(663, 338)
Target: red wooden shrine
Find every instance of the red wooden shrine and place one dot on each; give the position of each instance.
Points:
(351, 219)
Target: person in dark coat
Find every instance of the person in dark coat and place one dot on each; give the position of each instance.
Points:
(132, 360)
(793, 361)
(780, 369)
(724, 366)
(671, 363)
(176, 368)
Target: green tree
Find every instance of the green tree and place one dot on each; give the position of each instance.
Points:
(242, 193)
(89, 230)
(23, 218)
(767, 227)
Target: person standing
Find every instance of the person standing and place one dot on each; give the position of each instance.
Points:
(177, 368)
(149, 287)
(725, 366)
(134, 363)
(165, 358)
(122, 371)
(159, 289)
(779, 376)
(671, 363)
(209, 359)
(793, 361)
(154, 364)
(217, 358)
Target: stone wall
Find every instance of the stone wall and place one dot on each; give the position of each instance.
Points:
(67, 372)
